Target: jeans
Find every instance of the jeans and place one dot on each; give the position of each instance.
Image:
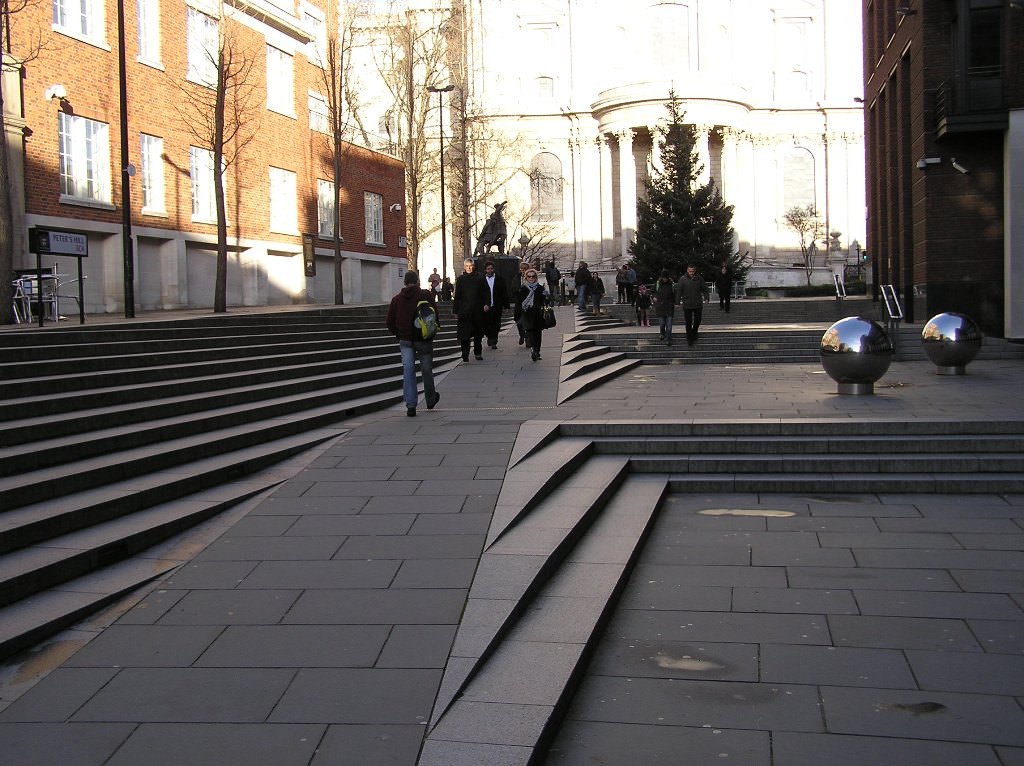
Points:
(581, 293)
(665, 323)
(597, 303)
(411, 351)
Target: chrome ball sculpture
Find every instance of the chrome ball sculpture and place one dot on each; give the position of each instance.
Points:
(951, 341)
(855, 353)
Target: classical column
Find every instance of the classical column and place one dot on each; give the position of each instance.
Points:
(627, 191)
(590, 200)
(607, 195)
(703, 153)
(657, 165)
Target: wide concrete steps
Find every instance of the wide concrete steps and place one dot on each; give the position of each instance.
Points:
(115, 439)
(573, 515)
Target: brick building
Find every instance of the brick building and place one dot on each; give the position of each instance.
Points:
(944, 98)
(67, 121)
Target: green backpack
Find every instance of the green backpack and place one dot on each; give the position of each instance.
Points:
(426, 324)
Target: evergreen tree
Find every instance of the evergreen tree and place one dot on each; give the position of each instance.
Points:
(681, 221)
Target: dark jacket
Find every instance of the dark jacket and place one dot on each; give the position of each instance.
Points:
(470, 297)
(402, 311)
(692, 292)
(723, 282)
(582, 277)
(665, 295)
(596, 286)
(501, 293)
(532, 316)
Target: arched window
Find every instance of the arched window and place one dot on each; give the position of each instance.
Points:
(545, 87)
(798, 178)
(546, 188)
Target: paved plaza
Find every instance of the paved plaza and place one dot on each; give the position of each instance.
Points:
(315, 624)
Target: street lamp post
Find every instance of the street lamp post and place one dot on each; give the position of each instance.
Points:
(127, 171)
(440, 132)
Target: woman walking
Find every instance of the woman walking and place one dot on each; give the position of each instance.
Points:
(665, 305)
(529, 309)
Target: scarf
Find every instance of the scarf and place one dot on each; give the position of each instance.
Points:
(528, 300)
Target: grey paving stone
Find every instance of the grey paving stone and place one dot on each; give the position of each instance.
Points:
(505, 577)
(321, 574)
(835, 666)
(989, 581)
(937, 716)
(584, 743)
(373, 489)
(411, 547)
(174, 646)
(214, 575)
(926, 604)
(902, 633)
(468, 487)
(230, 607)
(727, 576)
(578, 579)
(368, 746)
(480, 623)
(492, 723)
(460, 473)
(362, 473)
(880, 540)
(763, 556)
(944, 559)
(417, 646)
(798, 749)
(965, 523)
(968, 672)
(447, 503)
(1010, 756)
(439, 753)
(560, 619)
(384, 606)
(480, 503)
(200, 744)
(343, 525)
(723, 627)
(824, 524)
(308, 506)
(675, 659)
(152, 607)
(199, 695)
(58, 694)
(793, 601)
(49, 744)
(715, 704)
(232, 548)
(268, 526)
(1001, 636)
(435, 573)
(524, 673)
(669, 594)
(358, 696)
(451, 524)
(295, 646)
(391, 461)
(484, 458)
(991, 542)
(866, 577)
(657, 553)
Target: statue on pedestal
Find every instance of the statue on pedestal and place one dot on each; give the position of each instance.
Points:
(493, 233)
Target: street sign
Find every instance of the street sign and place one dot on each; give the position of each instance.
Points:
(46, 241)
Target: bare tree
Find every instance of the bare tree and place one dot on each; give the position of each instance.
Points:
(804, 220)
(10, 62)
(222, 114)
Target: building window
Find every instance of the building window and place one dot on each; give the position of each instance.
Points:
(373, 208)
(798, 179)
(668, 45)
(204, 205)
(202, 45)
(149, 31)
(545, 87)
(319, 120)
(283, 214)
(316, 50)
(546, 188)
(280, 82)
(152, 174)
(84, 159)
(79, 18)
(325, 209)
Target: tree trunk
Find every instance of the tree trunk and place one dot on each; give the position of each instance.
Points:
(6, 223)
(220, 297)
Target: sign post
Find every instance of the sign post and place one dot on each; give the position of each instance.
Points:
(56, 242)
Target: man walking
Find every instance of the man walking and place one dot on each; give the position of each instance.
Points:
(582, 280)
(401, 315)
(693, 293)
(723, 285)
(468, 308)
(495, 301)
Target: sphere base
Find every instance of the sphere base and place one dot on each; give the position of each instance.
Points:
(856, 389)
(955, 370)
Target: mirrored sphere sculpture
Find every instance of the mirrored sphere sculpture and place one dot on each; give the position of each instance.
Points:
(951, 341)
(855, 353)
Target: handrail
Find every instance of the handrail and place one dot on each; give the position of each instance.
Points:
(892, 303)
(840, 287)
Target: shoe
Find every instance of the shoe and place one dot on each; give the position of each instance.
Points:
(478, 357)
(465, 357)
(534, 356)
(410, 411)
(433, 400)
(492, 345)
(522, 340)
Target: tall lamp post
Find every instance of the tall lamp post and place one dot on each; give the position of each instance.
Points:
(127, 171)
(440, 132)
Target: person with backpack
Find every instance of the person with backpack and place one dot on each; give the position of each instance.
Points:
(582, 280)
(553, 277)
(412, 318)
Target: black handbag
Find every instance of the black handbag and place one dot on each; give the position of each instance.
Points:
(547, 317)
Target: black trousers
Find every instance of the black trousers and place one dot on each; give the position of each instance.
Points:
(691, 317)
(492, 325)
(470, 330)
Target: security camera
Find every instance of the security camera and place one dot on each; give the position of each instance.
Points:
(958, 167)
(56, 92)
(395, 208)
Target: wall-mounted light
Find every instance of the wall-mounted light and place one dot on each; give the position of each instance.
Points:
(395, 207)
(904, 10)
(926, 161)
(958, 167)
(56, 92)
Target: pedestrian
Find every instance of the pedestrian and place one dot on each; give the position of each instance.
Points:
(665, 305)
(468, 308)
(643, 304)
(620, 284)
(446, 290)
(530, 307)
(401, 314)
(693, 294)
(630, 282)
(723, 284)
(435, 281)
(553, 276)
(581, 279)
(496, 300)
(596, 290)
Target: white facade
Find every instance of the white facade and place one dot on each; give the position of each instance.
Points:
(771, 87)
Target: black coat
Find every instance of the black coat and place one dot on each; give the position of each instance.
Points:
(532, 316)
(470, 297)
